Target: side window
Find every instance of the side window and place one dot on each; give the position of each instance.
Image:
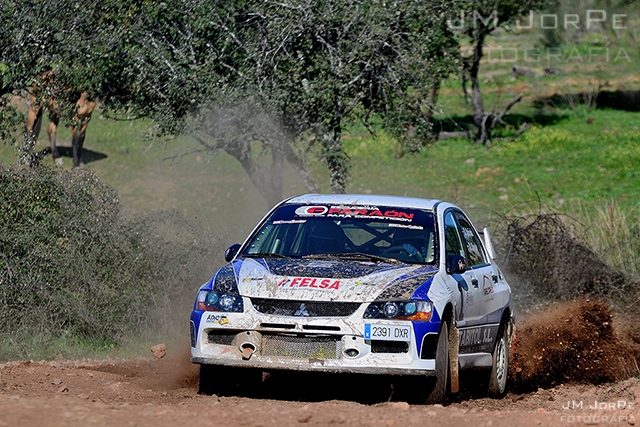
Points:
(453, 243)
(475, 253)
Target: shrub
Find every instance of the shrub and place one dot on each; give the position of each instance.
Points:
(73, 268)
(550, 253)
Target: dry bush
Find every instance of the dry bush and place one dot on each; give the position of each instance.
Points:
(546, 252)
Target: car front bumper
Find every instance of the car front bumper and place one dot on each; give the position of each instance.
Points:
(326, 344)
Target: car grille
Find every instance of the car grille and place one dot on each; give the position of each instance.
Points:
(302, 347)
(310, 308)
(221, 337)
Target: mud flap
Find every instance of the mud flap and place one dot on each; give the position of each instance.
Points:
(454, 342)
(512, 336)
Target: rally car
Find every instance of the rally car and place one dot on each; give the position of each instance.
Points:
(358, 284)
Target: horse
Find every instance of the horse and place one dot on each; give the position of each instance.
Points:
(84, 107)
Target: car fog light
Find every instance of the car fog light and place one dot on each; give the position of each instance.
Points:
(373, 311)
(390, 309)
(226, 302)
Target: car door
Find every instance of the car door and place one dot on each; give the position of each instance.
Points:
(467, 282)
(480, 269)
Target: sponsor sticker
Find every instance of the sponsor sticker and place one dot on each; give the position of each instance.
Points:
(352, 212)
(369, 212)
(409, 226)
(218, 319)
(475, 336)
(291, 221)
(309, 282)
(487, 287)
(311, 210)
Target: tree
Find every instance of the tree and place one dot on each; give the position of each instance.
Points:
(340, 61)
(241, 75)
(55, 50)
(477, 21)
(309, 66)
(185, 69)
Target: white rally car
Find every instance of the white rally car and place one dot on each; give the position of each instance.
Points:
(358, 284)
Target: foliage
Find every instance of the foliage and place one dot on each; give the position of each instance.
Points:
(310, 66)
(54, 51)
(72, 267)
(10, 119)
(61, 48)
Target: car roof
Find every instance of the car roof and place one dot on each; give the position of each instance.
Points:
(363, 199)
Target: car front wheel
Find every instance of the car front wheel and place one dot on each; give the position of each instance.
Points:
(500, 365)
(439, 392)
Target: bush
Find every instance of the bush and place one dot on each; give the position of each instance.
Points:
(550, 254)
(73, 269)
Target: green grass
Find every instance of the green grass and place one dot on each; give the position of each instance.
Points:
(566, 161)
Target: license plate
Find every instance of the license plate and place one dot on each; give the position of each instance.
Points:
(387, 332)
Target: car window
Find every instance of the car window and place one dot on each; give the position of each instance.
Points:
(475, 254)
(406, 235)
(453, 241)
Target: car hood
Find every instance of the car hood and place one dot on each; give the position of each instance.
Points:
(323, 280)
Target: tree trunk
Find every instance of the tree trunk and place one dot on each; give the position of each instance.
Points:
(336, 159)
(297, 164)
(484, 121)
(269, 184)
(476, 94)
(275, 171)
(265, 186)
(433, 100)
(465, 79)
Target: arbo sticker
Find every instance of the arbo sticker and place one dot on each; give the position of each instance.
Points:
(311, 210)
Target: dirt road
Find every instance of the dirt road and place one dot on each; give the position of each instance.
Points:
(565, 351)
(149, 392)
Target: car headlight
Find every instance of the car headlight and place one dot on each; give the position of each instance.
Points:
(216, 301)
(400, 310)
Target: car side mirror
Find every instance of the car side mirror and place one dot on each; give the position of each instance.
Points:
(231, 252)
(456, 264)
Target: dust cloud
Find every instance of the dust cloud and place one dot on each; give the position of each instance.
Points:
(573, 342)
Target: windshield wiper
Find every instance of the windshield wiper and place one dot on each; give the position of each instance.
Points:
(263, 255)
(357, 256)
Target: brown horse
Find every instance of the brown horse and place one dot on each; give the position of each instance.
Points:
(83, 109)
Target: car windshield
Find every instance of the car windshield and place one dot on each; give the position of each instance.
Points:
(362, 233)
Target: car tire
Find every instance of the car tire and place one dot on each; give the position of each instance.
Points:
(441, 388)
(500, 365)
(229, 381)
(207, 381)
